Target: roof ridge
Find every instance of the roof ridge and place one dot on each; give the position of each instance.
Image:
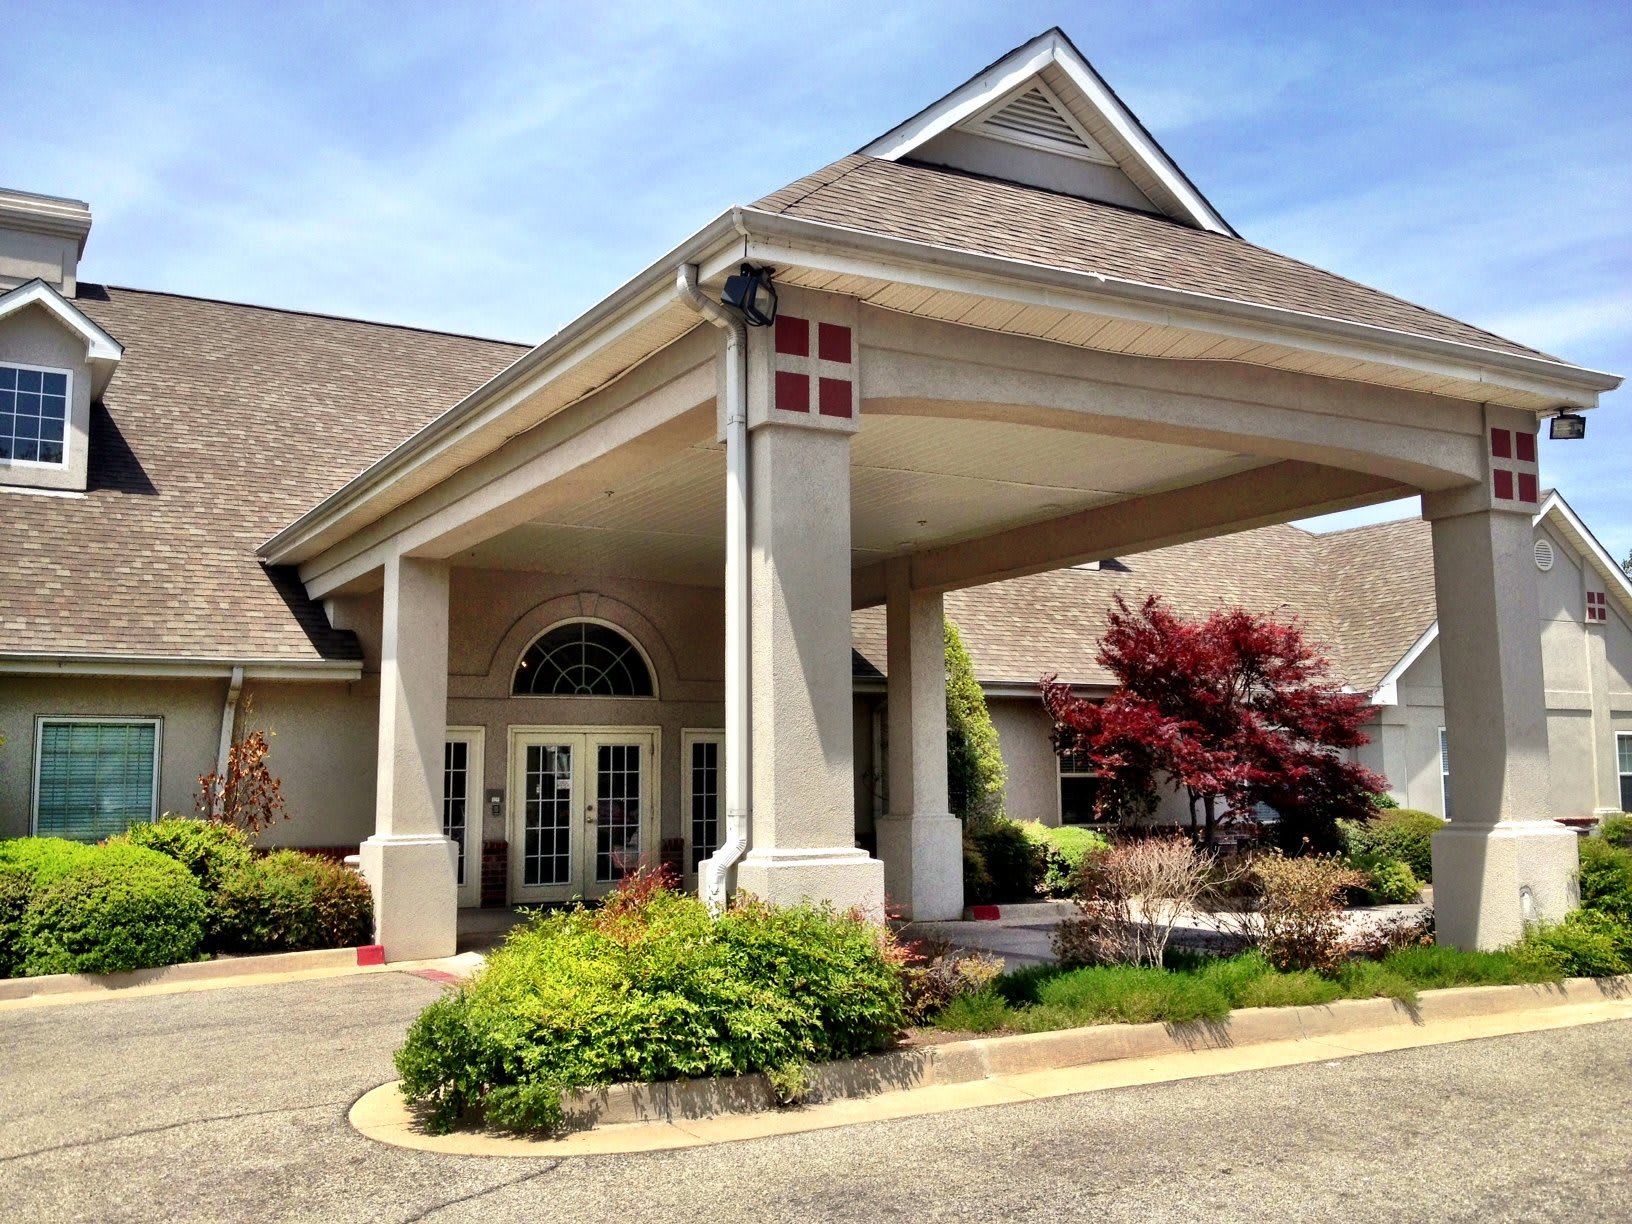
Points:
(308, 314)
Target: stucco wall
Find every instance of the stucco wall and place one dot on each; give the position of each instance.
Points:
(36, 338)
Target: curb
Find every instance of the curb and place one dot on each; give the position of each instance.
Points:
(193, 971)
(381, 1114)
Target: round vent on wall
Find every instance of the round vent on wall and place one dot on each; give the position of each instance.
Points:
(1544, 555)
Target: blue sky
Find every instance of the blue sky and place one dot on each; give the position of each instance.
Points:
(497, 175)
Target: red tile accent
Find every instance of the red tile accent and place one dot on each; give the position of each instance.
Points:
(793, 336)
(833, 342)
(833, 397)
(985, 913)
(793, 391)
(371, 954)
(1525, 446)
(1501, 481)
(1501, 443)
(1527, 486)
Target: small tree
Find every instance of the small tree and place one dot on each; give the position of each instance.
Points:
(975, 773)
(1626, 566)
(247, 795)
(1234, 710)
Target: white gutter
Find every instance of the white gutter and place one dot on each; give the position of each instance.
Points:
(229, 714)
(735, 843)
(177, 667)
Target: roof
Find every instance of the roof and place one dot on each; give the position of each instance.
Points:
(224, 423)
(986, 216)
(1365, 595)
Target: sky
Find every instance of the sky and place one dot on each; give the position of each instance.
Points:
(497, 169)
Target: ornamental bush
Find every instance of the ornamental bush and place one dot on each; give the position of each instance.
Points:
(1606, 879)
(1062, 847)
(1588, 943)
(1394, 833)
(290, 901)
(1391, 882)
(649, 988)
(1013, 861)
(1299, 906)
(207, 848)
(71, 908)
(975, 772)
(1617, 831)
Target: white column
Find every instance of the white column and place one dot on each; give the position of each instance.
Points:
(920, 841)
(410, 865)
(802, 845)
(1504, 861)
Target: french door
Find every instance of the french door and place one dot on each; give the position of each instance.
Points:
(583, 809)
(462, 807)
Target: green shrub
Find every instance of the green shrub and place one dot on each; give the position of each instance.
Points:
(1439, 966)
(975, 772)
(1391, 882)
(1617, 831)
(977, 880)
(1586, 944)
(290, 901)
(104, 909)
(1394, 833)
(648, 988)
(1061, 849)
(1013, 861)
(211, 851)
(1606, 879)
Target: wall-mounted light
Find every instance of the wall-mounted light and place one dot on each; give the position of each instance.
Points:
(751, 292)
(1567, 427)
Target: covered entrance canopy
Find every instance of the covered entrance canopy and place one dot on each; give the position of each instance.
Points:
(1011, 336)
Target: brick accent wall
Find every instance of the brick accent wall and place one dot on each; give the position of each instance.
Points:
(495, 873)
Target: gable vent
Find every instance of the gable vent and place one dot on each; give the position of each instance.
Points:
(1544, 555)
(1035, 117)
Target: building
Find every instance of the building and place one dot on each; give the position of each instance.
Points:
(1365, 594)
(593, 597)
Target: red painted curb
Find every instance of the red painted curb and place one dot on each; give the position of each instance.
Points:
(984, 913)
(371, 954)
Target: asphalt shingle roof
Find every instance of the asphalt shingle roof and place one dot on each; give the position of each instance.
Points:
(985, 216)
(222, 424)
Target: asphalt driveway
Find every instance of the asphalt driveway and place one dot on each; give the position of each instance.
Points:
(231, 1105)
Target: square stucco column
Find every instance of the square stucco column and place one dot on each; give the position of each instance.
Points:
(410, 866)
(1503, 861)
(920, 841)
(802, 840)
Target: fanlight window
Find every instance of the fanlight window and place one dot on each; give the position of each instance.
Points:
(582, 659)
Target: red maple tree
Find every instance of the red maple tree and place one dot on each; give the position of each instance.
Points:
(1235, 710)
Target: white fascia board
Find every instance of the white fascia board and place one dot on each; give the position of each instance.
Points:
(827, 247)
(177, 667)
(621, 312)
(1387, 692)
(1568, 522)
(99, 346)
(1012, 71)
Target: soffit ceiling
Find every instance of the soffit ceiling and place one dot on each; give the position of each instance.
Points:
(915, 482)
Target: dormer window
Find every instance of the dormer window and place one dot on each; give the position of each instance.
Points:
(34, 414)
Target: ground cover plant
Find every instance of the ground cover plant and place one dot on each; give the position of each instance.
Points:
(650, 987)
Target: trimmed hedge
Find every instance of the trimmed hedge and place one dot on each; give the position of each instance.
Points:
(210, 850)
(1063, 847)
(1400, 834)
(291, 902)
(72, 908)
(649, 987)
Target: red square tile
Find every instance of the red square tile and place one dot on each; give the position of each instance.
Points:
(833, 342)
(833, 398)
(1501, 442)
(1501, 480)
(1527, 486)
(792, 336)
(371, 954)
(1525, 446)
(792, 391)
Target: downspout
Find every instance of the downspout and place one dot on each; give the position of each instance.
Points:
(735, 843)
(229, 715)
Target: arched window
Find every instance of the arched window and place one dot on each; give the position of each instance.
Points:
(582, 659)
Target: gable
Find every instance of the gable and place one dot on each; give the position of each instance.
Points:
(1042, 117)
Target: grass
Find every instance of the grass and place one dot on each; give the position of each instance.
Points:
(1195, 987)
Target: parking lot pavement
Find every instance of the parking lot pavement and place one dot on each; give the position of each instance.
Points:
(231, 1105)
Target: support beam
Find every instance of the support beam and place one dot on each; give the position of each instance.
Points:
(1266, 495)
(920, 841)
(410, 866)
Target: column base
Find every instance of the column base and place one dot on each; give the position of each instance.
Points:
(1490, 881)
(923, 866)
(416, 900)
(845, 878)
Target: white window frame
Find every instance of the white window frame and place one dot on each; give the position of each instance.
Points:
(475, 741)
(67, 420)
(688, 737)
(1622, 738)
(651, 671)
(41, 721)
(1444, 775)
